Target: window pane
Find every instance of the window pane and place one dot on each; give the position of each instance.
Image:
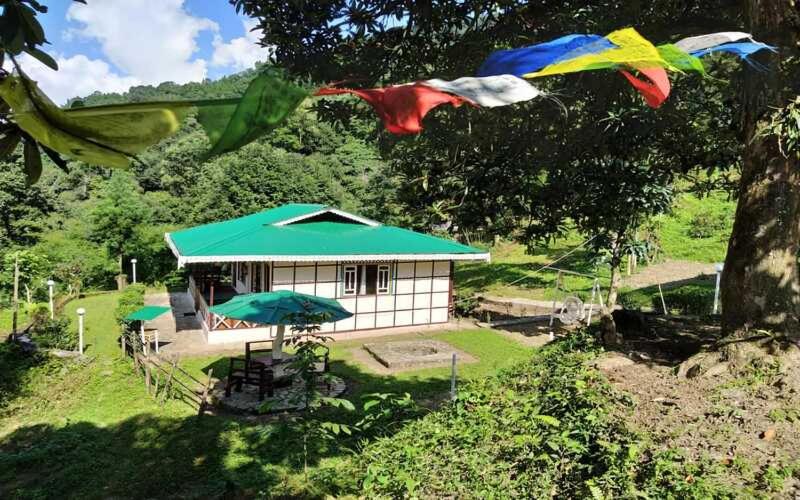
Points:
(383, 279)
(350, 280)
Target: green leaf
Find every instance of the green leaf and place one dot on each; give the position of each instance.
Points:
(43, 57)
(8, 144)
(369, 404)
(33, 163)
(547, 419)
(55, 158)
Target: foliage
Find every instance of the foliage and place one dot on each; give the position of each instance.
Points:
(695, 299)
(22, 207)
(784, 126)
(131, 299)
(706, 225)
(385, 413)
(33, 268)
(119, 211)
(55, 334)
(542, 428)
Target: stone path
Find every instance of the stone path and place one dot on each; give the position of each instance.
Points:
(284, 399)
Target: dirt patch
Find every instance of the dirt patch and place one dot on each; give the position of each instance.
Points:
(746, 422)
(670, 273)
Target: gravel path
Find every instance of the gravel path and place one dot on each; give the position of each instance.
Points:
(670, 273)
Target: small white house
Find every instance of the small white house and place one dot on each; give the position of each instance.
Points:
(386, 276)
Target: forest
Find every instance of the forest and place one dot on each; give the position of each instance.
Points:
(681, 387)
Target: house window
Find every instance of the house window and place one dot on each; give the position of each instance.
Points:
(256, 284)
(383, 279)
(350, 280)
(366, 280)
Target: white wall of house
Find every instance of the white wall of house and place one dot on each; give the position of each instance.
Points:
(413, 293)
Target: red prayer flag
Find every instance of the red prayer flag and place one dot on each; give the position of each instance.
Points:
(656, 90)
(401, 107)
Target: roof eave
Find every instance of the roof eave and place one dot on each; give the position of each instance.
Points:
(208, 259)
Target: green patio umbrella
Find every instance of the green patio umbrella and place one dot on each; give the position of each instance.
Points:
(147, 313)
(279, 308)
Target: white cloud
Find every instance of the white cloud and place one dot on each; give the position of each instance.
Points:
(151, 40)
(76, 76)
(240, 53)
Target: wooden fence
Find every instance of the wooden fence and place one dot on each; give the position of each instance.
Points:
(163, 377)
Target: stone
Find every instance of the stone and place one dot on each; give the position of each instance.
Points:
(285, 398)
(411, 353)
(613, 362)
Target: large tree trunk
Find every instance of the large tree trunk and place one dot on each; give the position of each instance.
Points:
(760, 287)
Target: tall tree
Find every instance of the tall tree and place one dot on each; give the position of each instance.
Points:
(119, 212)
(760, 282)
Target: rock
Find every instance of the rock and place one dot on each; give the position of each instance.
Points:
(664, 401)
(769, 434)
(613, 362)
(716, 370)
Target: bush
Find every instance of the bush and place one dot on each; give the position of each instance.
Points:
(55, 334)
(547, 428)
(131, 299)
(708, 224)
(542, 429)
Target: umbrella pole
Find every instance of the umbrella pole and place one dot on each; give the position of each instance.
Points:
(277, 344)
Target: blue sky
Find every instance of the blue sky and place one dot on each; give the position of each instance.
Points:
(109, 45)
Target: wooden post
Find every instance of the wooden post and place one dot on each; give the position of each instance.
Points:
(204, 397)
(211, 295)
(168, 382)
(663, 303)
(122, 344)
(147, 375)
(15, 310)
(453, 380)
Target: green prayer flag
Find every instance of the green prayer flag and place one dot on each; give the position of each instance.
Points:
(111, 135)
(680, 59)
(266, 103)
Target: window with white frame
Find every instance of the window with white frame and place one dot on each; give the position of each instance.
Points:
(366, 280)
(350, 280)
(383, 279)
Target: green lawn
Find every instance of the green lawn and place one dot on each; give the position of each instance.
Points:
(90, 431)
(696, 230)
(6, 319)
(511, 263)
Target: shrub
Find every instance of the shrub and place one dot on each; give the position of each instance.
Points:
(708, 224)
(55, 334)
(131, 299)
(541, 429)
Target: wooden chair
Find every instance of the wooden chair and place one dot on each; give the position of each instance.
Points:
(240, 372)
(149, 336)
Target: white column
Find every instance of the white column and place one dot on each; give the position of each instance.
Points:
(81, 312)
(133, 263)
(50, 285)
(716, 289)
(277, 343)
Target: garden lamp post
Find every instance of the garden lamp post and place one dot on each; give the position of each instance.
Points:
(50, 285)
(133, 263)
(716, 289)
(81, 312)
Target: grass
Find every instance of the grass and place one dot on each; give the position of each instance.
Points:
(696, 230)
(511, 263)
(96, 433)
(6, 318)
(712, 216)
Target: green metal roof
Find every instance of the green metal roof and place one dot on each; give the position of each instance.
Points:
(147, 313)
(277, 233)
